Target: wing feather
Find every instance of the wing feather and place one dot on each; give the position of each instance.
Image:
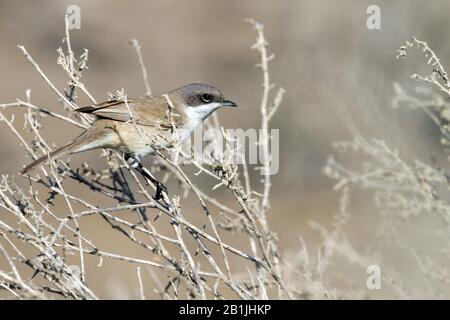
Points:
(146, 111)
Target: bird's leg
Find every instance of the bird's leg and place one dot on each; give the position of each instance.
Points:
(160, 188)
(120, 178)
(137, 165)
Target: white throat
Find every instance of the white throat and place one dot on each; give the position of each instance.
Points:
(196, 116)
(200, 113)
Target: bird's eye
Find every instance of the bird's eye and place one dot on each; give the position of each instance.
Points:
(206, 97)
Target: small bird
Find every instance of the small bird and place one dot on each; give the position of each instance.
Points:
(152, 118)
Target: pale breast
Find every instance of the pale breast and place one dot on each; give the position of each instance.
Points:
(136, 139)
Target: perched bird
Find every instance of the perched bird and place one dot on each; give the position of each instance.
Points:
(152, 118)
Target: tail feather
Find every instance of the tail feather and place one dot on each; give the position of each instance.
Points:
(91, 139)
(67, 149)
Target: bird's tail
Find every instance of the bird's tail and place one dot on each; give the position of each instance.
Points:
(64, 150)
(91, 139)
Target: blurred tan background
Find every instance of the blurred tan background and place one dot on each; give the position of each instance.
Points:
(334, 69)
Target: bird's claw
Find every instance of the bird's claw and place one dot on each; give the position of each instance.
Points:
(160, 191)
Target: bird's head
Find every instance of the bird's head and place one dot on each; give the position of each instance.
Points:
(200, 99)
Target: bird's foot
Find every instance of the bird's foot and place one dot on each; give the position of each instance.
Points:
(160, 191)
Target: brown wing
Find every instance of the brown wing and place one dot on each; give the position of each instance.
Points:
(146, 111)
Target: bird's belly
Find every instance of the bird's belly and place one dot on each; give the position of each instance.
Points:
(136, 140)
(140, 150)
(140, 142)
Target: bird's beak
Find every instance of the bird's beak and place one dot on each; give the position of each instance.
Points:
(229, 103)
